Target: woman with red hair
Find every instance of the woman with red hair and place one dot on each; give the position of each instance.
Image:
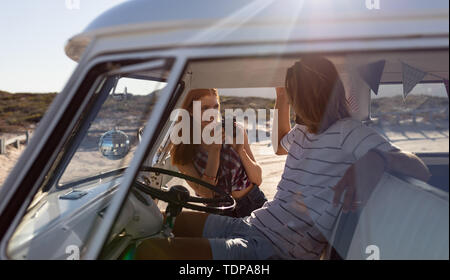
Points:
(230, 167)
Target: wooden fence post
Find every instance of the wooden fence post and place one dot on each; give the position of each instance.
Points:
(2, 146)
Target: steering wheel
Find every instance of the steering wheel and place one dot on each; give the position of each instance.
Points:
(179, 197)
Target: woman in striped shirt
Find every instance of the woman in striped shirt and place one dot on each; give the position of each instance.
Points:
(230, 167)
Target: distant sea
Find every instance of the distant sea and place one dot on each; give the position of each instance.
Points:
(384, 91)
(248, 92)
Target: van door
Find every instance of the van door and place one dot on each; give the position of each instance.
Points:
(60, 200)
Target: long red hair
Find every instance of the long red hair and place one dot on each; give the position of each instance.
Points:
(182, 154)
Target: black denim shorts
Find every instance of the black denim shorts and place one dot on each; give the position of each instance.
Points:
(245, 205)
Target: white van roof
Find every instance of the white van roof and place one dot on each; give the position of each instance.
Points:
(172, 23)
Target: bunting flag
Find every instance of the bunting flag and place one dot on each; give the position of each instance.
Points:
(353, 102)
(411, 77)
(351, 94)
(371, 74)
(446, 85)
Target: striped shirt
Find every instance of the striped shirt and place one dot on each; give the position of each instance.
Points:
(300, 218)
(231, 175)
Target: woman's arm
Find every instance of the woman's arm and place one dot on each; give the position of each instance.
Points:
(282, 124)
(252, 168)
(362, 177)
(406, 164)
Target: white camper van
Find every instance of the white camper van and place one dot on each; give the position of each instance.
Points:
(78, 191)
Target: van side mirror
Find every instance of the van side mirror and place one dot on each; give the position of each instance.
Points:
(114, 144)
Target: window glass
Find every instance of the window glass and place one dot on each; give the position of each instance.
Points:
(122, 114)
(417, 123)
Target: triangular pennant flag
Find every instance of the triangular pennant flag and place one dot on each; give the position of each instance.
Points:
(351, 95)
(371, 74)
(411, 77)
(446, 85)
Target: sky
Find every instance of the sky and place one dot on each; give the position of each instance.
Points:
(33, 34)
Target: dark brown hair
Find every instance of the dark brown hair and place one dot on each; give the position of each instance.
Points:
(316, 93)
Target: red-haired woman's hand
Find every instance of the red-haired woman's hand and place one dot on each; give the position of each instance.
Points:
(211, 148)
(238, 141)
(215, 147)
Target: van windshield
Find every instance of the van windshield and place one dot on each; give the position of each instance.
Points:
(112, 137)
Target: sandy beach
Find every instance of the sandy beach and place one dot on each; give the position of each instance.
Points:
(414, 138)
(8, 160)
